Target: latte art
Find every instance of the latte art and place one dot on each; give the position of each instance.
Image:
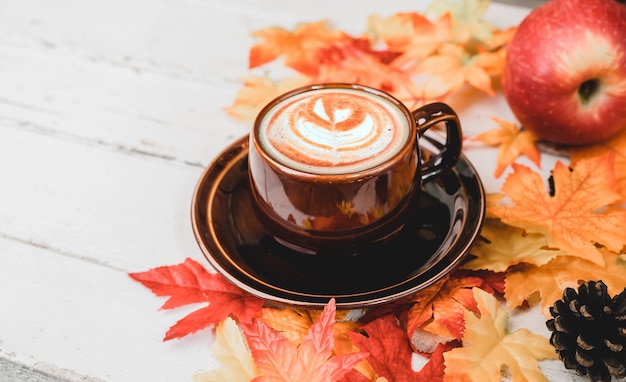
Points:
(333, 131)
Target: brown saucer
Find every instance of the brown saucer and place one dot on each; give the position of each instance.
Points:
(451, 211)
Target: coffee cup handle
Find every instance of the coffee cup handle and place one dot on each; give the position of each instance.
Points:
(428, 116)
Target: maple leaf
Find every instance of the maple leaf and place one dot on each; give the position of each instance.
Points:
(506, 246)
(488, 346)
(189, 283)
(364, 44)
(615, 145)
(500, 39)
(452, 66)
(232, 352)
(294, 325)
(439, 308)
(258, 92)
(355, 376)
(492, 282)
(300, 47)
(576, 217)
(512, 142)
(390, 352)
(411, 34)
(353, 63)
(278, 359)
(467, 18)
(414, 95)
(551, 279)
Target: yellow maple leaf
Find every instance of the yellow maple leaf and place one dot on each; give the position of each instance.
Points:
(507, 246)
(293, 324)
(576, 218)
(512, 142)
(488, 347)
(549, 280)
(452, 66)
(615, 145)
(467, 18)
(231, 350)
(258, 92)
(300, 47)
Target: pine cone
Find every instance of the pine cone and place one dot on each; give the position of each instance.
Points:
(589, 331)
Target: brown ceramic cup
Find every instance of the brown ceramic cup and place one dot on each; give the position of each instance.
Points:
(336, 168)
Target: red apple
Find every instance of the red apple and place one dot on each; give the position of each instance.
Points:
(565, 71)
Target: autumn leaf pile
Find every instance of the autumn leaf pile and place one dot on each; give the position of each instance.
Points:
(541, 235)
(418, 58)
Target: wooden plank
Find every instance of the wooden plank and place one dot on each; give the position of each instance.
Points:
(12, 372)
(81, 321)
(105, 105)
(124, 210)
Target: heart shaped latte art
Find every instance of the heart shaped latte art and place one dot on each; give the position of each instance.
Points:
(335, 132)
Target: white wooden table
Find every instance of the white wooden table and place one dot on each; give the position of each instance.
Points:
(109, 112)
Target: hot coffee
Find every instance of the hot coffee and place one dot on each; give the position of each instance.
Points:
(335, 167)
(333, 131)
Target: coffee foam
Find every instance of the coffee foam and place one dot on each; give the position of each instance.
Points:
(333, 131)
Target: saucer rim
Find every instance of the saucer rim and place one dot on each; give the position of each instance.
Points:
(238, 150)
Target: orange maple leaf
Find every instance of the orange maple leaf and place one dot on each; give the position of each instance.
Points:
(438, 309)
(576, 218)
(452, 66)
(258, 92)
(279, 360)
(512, 142)
(414, 96)
(294, 324)
(549, 280)
(488, 346)
(412, 34)
(300, 47)
(615, 145)
(500, 38)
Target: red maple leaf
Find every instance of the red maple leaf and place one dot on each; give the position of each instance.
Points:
(354, 376)
(492, 282)
(391, 354)
(190, 283)
(280, 360)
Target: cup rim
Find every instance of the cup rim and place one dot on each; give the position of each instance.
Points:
(411, 140)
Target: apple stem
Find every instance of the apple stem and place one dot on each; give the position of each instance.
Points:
(587, 89)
